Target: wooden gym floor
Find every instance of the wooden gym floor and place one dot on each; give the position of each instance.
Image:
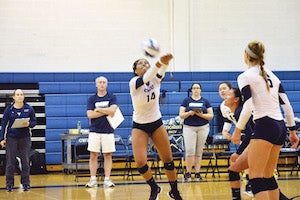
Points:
(57, 186)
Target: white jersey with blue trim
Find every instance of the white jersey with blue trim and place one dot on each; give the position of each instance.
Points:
(225, 110)
(145, 101)
(145, 97)
(256, 97)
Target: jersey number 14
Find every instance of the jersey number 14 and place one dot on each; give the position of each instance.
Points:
(151, 97)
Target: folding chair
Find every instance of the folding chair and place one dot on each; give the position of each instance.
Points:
(121, 154)
(154, 158)
(178, 151)
(289, 158)
(208, 154)
(82, 156)
(221, 149)
(130, 157)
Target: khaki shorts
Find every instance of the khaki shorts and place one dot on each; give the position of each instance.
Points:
(100, 141)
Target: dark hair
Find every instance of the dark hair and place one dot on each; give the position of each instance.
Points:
(196, 83)
(237, 93)
(134, 66)
(14, 93)
(190, 89)
(225, 82)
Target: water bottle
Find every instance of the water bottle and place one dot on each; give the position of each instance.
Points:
(79, 127)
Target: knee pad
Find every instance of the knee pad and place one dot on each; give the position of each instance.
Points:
(271, 183)
(143, 169)
(233, 176)
(258, 185)
(169, 165)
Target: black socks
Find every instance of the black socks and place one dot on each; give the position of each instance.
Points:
(236, 193)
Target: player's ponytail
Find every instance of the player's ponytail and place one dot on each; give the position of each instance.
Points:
(264, 75)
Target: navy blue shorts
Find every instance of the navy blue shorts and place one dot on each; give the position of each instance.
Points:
(149, 128)
(271, 130)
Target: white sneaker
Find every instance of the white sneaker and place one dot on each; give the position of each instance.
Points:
(91, 183)
(249, 193)
(108, 183)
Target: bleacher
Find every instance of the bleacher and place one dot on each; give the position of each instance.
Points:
(66, 97)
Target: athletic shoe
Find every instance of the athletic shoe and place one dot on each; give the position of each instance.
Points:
(198, 177)
(248, 190)
(248, 187)
(154, 193)
(108, 183)
(188, 177)
(9, 188)
(91, 183)
(249, 193)
(174, 195)
(26, 187)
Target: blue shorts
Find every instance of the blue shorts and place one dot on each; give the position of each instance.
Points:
(149, 128)
(271, 130)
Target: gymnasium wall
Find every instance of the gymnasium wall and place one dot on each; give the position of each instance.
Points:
(105, 36)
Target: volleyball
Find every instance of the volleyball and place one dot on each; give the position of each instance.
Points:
(150, 47)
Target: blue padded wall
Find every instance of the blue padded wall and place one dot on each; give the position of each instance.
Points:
(66, 96)
(9, 77)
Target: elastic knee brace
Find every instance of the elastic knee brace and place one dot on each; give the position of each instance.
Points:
(258, 185)
(233, 176)
(169, 165)
(271, 183)
(143, 169)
